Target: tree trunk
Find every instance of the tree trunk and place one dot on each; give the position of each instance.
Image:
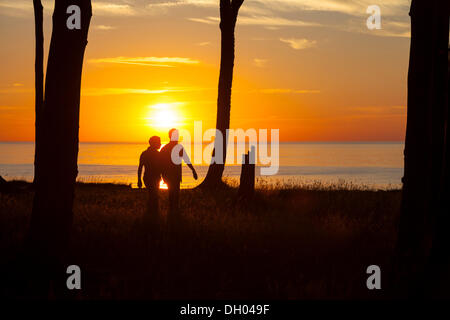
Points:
(228, 16)
(38, 79)
(424, 156)
(51, 219)
(439, 262)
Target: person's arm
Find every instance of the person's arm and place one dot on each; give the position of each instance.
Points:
(189, 164)
(140, 172)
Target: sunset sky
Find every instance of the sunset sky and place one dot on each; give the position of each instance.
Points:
(309, 68)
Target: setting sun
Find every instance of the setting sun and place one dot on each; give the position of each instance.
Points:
(163, 116)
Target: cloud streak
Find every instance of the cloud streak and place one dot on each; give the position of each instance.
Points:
(260, 63)
(118, 91)
(299, 44)
(113, 9)
(104, 28)
(134, 91)
(258, 21)
(167, 62)
(344, 15)
(284, 91)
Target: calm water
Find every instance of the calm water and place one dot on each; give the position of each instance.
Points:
(378, 165)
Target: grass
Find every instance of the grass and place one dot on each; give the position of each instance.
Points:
(291, 242)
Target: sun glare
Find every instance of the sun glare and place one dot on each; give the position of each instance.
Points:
(163, 185)
(163, 115)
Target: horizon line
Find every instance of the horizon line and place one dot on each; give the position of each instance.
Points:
(286, 141)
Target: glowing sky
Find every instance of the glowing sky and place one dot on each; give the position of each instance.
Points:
(310, 68)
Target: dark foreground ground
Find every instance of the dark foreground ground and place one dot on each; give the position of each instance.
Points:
(290, 243)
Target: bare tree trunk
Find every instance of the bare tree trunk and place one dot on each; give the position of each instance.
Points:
(439, 262)
(51, 219)
(38, 78)
(425, 143)
(229, 10)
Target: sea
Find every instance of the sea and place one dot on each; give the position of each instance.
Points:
(372, 165)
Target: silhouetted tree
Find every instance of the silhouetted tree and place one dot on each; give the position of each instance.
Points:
(229, 10)
(423, 243)
(38, 76)
(51, 219)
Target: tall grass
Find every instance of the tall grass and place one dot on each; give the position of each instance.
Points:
(291, 242)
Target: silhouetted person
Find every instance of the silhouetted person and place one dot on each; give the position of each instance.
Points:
(171, 155)
(151, 160)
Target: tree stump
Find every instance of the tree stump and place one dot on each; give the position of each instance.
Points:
(3, 184)
(247, 179)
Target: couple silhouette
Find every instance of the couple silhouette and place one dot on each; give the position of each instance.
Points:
(165, 164)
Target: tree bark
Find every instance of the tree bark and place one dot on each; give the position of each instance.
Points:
(229, 10)
(38, 78)
(425, 157)
(51, 219)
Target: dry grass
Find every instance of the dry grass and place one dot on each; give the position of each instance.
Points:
(291, 242)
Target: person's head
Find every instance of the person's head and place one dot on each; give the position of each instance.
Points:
(173, 134)
(155, 142)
